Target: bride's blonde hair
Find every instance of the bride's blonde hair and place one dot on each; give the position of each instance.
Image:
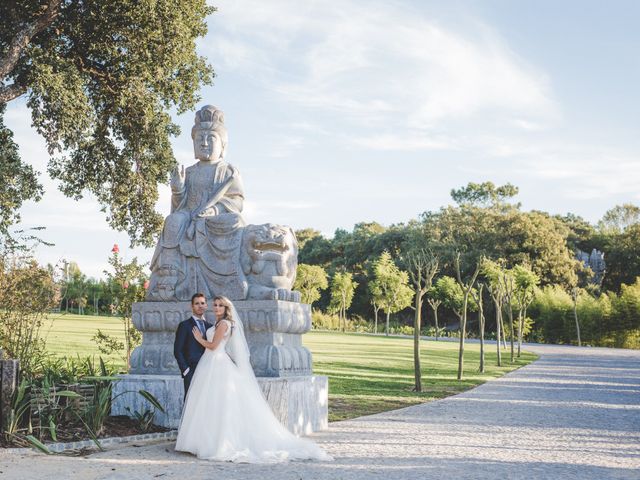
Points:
(227, 307)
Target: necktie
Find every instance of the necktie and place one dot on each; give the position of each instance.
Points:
(201, 327)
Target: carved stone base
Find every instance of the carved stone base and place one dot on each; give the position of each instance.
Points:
(300, 403)
(273, 328)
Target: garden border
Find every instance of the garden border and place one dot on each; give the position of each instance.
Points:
(64, 446)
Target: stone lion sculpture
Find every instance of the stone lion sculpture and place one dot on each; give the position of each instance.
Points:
(269, 258)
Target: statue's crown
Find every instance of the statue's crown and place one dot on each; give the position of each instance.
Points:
(209, 117)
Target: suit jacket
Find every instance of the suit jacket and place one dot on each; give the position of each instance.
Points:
(185, 347)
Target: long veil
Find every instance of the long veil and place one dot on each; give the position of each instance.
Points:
(238, 348)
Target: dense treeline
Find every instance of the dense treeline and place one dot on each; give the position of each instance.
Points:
(483, 225)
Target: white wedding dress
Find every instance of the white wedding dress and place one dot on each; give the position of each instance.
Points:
(226, 417)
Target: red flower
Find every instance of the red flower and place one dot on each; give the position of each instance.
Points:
(125, 285)
(145, 285)
(115, 248)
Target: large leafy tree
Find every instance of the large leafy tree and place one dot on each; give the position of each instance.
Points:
(391, 286)
(310, 279)
(99, 78)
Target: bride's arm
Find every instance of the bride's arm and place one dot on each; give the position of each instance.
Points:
(218, 335)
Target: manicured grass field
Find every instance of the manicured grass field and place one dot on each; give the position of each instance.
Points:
(367, 374)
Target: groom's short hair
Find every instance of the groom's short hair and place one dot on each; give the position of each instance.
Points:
(197, 295)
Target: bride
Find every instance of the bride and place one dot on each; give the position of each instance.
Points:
(225, 415)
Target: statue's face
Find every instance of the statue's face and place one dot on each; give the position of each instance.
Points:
(207, 145)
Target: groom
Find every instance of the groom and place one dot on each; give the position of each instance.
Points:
(185, 347)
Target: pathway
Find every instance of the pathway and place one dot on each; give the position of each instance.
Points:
(575, 413)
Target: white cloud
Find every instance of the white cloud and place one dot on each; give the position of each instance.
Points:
(377, 64)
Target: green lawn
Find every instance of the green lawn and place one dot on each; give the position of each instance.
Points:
(367, 374)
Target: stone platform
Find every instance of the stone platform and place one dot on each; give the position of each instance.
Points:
(273, 329)
(281, 363)
(300, 403)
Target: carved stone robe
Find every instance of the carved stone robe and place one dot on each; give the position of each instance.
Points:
(201, 253)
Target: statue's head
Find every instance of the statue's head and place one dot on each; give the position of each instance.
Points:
(209, 134)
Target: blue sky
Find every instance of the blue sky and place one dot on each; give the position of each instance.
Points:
(350, 111)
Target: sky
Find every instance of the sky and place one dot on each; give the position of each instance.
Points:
(356, 111)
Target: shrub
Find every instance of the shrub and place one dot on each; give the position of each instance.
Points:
(27, 292)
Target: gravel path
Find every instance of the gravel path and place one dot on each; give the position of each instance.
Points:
(575, 413)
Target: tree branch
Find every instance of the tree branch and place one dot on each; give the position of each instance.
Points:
(10, 92)
(22, 39)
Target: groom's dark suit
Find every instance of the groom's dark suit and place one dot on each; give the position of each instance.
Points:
(187, 350)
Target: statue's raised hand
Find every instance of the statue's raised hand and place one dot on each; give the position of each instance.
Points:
(177, 179)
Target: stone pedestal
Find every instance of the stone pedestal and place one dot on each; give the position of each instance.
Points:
(300, 403)
(273, 329)
(282, 364)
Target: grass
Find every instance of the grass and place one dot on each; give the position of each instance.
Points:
(367, 374)
(370, 374)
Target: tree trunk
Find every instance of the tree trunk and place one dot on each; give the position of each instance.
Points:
(375, 320)
(416, 344)
(386, 328)
(498, 330)
(463, 331)
(481, 321)
(512, 333)
(520, 324)
(504, 332)
(575, 315)
(435, 319)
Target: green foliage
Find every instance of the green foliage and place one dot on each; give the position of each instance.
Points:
(107, 344)
(619, 218)
(145, 419)
(100, 78)
(391, 285)
(27, 292)
(310, 279)
(526, 282)
(484, 194)
(18, 183)
(623, 260)
(128, 282)
(450, 293)
(342, 289)
(329, 321)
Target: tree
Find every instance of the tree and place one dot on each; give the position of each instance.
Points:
(392, 285)
(484, 194)
(376, 297)
(466, 286)
(617, 219)
(508, 290)
(623, 261)
(76, 286)
(582, 278)
(477, 298)
(18, 181)
(434, 301)
(494, 272)
(525, 286)
(310, 279)
(422, 266)
(128, 282)
(304, 235)
(449, 292)
(27, 293)
(100, 78)
(342, 290)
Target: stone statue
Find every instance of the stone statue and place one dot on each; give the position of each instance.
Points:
(199, 247)
(205, 246)
(269, 260)
(595, 261)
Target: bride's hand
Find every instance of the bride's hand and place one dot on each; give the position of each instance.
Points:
(197, 334)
